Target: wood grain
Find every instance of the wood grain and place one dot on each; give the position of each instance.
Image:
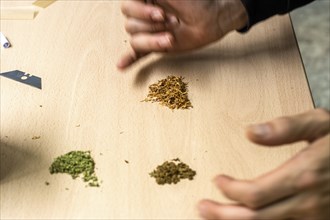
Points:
(73, 46)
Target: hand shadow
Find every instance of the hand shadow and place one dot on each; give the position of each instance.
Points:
(16, 162)
(213, 56)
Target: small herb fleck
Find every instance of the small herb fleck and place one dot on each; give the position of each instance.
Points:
(171, 92)
(40, 106)
(76, 163)
(126, 161)
(47, 183)
(66, 188)
(172, 172)
(36, 137)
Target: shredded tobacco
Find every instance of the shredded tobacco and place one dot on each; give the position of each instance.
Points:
(76, 163)
(171, 92)
(172, 172)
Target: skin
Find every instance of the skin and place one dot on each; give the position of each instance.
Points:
(172, 26)
(300, 188)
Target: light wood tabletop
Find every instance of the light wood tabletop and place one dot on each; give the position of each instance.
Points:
(86, 104)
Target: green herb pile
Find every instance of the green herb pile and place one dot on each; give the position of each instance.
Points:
(76, 163)
(171, 92)
(172, 172)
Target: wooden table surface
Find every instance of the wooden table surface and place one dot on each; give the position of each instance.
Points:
(73, 46)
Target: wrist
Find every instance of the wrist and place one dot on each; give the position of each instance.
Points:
(232, 16)
(240, 16)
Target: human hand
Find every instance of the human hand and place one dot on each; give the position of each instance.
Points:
(299, 189)
(178, 25)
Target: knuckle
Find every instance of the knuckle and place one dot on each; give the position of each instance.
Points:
(154, 28)
(311, 205)
(307, 180)
(254, 197)
(157, 27)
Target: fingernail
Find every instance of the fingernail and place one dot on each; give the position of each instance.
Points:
(261, 130)
(164, 42)
(202, 209)
(157, 16)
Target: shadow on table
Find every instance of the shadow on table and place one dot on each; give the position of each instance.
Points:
(16, 162)
(207, 58)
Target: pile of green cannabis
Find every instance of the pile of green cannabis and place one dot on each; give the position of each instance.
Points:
(76, 163)
(171, 92)
(172, 172)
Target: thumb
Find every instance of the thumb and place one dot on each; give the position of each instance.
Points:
(307, 126)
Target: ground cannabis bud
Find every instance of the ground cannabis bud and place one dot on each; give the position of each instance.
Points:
(171, 92)
(76, 163)
(172, 172)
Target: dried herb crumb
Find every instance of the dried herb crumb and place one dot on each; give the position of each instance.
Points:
(76, 163)
(172, 172)
(40, 106)
(171, 92)
(47, 183)
(36, 137)
(126, 161)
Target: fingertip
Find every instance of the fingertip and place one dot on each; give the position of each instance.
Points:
(205, 208)
(157, 15)
(222, 181)
(201, 204)
(260, 133)
(122, 64)
(202, 208)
